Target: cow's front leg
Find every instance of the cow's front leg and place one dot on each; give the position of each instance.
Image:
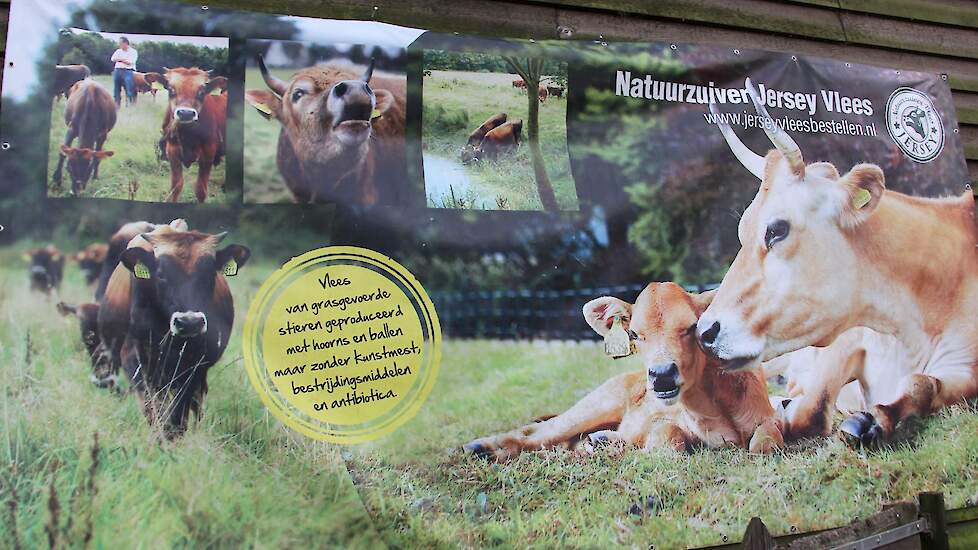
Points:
(767, 437)
(605, 405)
(920, 395)
(669, 435)
(57, 178)
(98, 147)
(173, 153)
(204, 173)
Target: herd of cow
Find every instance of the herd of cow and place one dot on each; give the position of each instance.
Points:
(830, 288)
(162, 312)
(543, 90)
(193, 127)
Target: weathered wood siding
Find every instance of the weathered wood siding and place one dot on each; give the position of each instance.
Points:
(937, 36)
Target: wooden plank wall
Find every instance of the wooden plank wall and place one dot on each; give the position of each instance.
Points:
(937, 36)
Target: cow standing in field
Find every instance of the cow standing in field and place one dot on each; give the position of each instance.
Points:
(47, 267)
(65, 76)
(519, 83)
(89, 114)
(342, 137)
(681, 400)
(822, 253)
(476, 137)
(504, 139)
(542, 94)
(555, 91)
(90, 261)
(141, 86)
(167, 316)
(194, 125)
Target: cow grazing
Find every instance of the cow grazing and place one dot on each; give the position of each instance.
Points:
(476, 137)
(555, 91)
(90, 261)
(47, 267)
(822, 253)
(504, 139)
(342, 136)
(141, 86)
(65, 76)
(170, 299)
(519, 83)
(194, 125)
(90, 115)
(681, 399)
(542, 94)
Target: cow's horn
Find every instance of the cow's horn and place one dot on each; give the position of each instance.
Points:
(776, 134)
(148, 237)
(751, 160)
(219, 237)
(369, 73)
(277, 85)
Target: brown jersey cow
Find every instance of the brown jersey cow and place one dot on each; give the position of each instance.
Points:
(476, 137)
(47, 267)
(141, 86)
(342, 137)
(542, 93)
(90, 260)
(503, 139)
(194, 125)
(65, 76)
(90, 115)
(167, 316)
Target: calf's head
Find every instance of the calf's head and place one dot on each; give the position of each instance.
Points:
(188, 88)
(792, 283)
(325, 110)
(662, 323)
(177, 277)
(45, 265)
(81, 164)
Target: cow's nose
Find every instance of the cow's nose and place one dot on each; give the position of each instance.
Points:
(709, 336)
(188, 324)
(664, 370)
(340, 89)
(185, 114)
(38, 270)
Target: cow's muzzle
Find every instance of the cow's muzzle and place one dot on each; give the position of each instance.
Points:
(185, 115)
(188, 324)
(664, 381)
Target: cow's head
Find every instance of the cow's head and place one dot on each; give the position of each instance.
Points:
(179, 276)
(326, 110)
(791, 284)
(662, 323)
(45, 264)
(90, 260)
(81, 163)
(187, 88)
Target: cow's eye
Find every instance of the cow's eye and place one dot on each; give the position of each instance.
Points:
(297, 95)
(633, 335)
(777, 231)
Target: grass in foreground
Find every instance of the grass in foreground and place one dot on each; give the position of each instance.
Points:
(417, 480)
(458, 102)
(134, 139)
(238, 479)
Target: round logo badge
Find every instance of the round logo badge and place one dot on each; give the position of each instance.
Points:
(914, 124)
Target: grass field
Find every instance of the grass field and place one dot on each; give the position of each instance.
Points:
(434, 496)
(134, 140)
(262, 181)
(238, 479)
(456, 103)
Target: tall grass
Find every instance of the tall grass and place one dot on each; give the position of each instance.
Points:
(237, 479)
(134, 171)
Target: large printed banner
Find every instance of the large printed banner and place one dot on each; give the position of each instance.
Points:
(528, 293)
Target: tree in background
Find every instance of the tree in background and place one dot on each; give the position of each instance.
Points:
(530, 70)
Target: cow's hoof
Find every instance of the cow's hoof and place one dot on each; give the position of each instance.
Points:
(861, 429)
(599, 438)
(477, 449)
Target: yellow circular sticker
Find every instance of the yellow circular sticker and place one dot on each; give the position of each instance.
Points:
(342, 344)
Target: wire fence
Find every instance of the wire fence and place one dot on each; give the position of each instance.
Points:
(527, 314)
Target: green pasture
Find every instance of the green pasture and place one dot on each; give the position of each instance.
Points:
(262, 181)
(134, 165)
(237, 479)
(431, 495)
(455, 104)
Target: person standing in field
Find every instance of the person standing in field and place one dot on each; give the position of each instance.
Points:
(125, 65)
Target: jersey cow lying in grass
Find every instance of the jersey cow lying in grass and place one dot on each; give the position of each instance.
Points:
(682, 399)
(194, 125)
(167, 315)
(823, 252)
(342, 136)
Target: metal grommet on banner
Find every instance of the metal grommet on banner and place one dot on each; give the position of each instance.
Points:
(898, 73)
(205, 8)
(736, 52)
(848, 65)
(5, 145)
(955, 130)
(794, 58)
(565, 31)
(943, 76)
(672, 47)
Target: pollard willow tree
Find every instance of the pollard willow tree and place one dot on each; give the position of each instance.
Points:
(529, 70)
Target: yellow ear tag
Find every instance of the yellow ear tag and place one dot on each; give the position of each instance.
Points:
(217, 91)
(140, 271)
(157, 86)
(376, 114)
(263, 108)
(616, 341)
(861, 198)
(231, 268)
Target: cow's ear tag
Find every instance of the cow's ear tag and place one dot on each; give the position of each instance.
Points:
(861, 198)
(231, 268)
(217, 91)
(616, 341)
(263, 108)
(376, 114)
(140, 271)
(157, 86)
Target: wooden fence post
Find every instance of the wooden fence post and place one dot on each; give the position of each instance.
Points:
(931, 506)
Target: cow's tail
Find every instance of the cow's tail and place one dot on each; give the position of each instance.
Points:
(84, 114)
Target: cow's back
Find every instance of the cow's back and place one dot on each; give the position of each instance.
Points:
(90, 111)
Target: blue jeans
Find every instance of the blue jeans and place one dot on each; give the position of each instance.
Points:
(120, 78)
